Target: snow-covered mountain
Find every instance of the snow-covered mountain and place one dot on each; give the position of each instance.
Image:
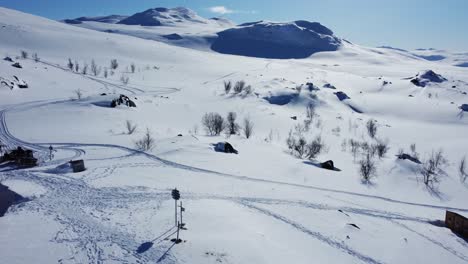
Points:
(176, 26)
(298, 39)
(267, 204)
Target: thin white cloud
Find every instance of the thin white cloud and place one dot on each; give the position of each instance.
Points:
(221, 10)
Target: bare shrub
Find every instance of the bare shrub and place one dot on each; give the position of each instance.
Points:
(431, 168)
(414, 152)
(132, 67)
(78, 94)
(371, 128)
(310, 111)
(95, 70)
(462, 170)
(227, 86)
(114, 64)
(247, 127)
(367, 168)
(24, 54)
(70, 64)
(298, 89)
(146, 143)
(77, 67)
(299, 147)
(381, 148)
(131, 128)
(248, 90)
(354, 147)
(124, 79)
(315, 147)
(232, 126)
(213, 123)
(84, 70)
(36, 57)
(239, 87)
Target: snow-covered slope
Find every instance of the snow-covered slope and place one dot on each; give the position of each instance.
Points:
(458, 59)
(298, 39)
(261, 206)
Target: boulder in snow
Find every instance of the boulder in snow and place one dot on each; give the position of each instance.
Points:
(225, 147)
(342, 96)
(17, 65)
(329, 165)
(427, 77)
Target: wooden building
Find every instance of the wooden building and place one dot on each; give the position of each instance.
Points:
(457, 223)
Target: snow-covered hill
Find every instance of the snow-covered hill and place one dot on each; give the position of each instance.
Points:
(262, 205)
(298, 39)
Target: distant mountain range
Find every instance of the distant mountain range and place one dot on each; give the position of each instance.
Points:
(181, 26)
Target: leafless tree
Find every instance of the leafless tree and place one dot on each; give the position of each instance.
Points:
(95, 70)
(315, 147)
(146, 143)
(213, 123)
(367, 168)
(131, 128)
(36, 57)
(232, 126)
(70, 64)
(24, 54)
(247, 127)
(371, 128)
(431, 168)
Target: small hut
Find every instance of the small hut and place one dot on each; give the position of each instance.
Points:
(457, 223)
(77, 165)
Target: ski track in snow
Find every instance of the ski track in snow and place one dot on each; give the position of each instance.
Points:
(86, 235)
(317, 235)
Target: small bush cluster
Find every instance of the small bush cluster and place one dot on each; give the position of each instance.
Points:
(301, 148)
(239, 88)
(215, 124)
(431, 168)
(146, 143)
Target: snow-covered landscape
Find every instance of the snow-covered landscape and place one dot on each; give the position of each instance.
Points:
(287, 97)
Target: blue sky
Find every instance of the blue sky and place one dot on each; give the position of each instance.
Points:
(405, 24)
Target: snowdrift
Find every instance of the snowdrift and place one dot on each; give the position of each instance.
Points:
(299, 39)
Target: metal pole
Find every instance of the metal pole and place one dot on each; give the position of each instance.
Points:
(178, 227)
(176, 212)
(181, 210)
